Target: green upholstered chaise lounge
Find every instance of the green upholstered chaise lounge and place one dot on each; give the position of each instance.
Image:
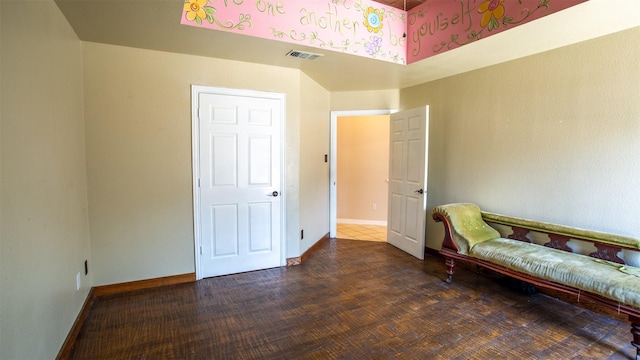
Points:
(601, 275)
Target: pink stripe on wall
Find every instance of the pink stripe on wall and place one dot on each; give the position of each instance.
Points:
(360, 27)
(369, 29)
(441, 25)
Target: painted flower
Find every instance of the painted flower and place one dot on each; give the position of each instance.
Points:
(493, 11)
(195, 10)
(373, 19)
(373, 46)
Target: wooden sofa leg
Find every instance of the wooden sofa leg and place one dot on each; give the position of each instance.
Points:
(635, 331)
(451, 264)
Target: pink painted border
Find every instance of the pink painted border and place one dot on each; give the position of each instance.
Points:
(369, 29)
(359, 27)
(438, 26)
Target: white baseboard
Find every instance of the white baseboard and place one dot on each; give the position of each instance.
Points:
(361, 222)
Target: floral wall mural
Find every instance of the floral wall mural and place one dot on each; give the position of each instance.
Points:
(357, 27)
(438, 26)
(370, 29)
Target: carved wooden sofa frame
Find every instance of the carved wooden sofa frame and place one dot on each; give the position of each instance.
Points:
(607, 247)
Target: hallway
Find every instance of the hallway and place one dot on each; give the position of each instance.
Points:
(361, 232)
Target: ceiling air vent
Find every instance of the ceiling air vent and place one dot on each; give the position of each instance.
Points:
(303, 55)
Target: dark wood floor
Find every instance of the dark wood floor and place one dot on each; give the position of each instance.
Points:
(349, 300)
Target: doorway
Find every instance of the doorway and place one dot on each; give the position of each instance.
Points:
(359, 174)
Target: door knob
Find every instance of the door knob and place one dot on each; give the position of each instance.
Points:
(420, 191)
(274, 194)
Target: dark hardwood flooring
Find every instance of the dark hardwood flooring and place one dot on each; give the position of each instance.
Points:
(349, 300)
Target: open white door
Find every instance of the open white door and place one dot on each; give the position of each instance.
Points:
(408, 180)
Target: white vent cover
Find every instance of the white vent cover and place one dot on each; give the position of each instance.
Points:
(303, 55)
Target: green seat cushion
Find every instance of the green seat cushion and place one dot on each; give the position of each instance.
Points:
(467, 225)
(612, 281)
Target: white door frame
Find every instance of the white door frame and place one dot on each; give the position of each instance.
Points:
(333, 165)
(196, 90)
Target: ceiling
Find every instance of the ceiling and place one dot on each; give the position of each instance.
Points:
(155, 25)
(401, 4)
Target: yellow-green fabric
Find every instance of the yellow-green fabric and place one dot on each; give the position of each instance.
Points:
(613, 281)
(562, 230)
(468, 227)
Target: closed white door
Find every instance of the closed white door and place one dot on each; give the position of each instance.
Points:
(240, 187)
(408, 180)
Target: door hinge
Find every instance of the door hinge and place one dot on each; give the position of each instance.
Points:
(198, 182)
(200, 250)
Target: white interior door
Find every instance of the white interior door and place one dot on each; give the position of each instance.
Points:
(240, 190)
(408, 180)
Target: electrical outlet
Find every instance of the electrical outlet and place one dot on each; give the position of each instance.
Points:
(374, 206)
(78, 281)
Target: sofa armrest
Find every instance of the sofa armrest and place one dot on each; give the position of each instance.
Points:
(464, 227)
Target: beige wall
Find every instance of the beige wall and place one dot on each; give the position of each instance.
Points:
(365, 100)
(314, 172)
(553, 137)
(362, 168)
(138, 121)
(44, 234)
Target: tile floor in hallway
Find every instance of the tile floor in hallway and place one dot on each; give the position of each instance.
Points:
(361, 232)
